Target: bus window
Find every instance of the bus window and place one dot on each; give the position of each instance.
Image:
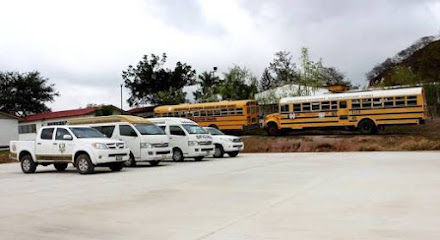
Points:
(377, 102)
(366, 103)
(239, 111)
(284, 108)
(209, 112)
(400, 101)
(334, 105)
(297, 107)
(202, 113)
(389, 102)
(343, 104)
(224, 111)
(196, 113)
(306, 106)
(217, 112)
(232, 111)
(325, 106)
(411, 100)
(316, 106)
(355, 103)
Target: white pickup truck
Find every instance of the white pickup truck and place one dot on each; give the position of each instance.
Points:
(82, 146)
(231, 145)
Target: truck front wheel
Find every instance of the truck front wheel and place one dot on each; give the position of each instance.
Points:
(27, 164)
(84, 165)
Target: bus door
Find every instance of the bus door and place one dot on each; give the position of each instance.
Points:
(343, 112)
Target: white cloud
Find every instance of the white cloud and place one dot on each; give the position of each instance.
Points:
(83, 46)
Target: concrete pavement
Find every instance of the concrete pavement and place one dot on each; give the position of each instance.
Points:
(367, 195)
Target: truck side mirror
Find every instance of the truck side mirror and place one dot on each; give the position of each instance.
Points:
(67, 137)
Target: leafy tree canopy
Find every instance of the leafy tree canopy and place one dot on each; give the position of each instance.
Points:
(150, 82)
(23, 94)
(209, 87)
(238, 83)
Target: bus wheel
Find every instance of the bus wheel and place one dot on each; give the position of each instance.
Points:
(272, 129)
(367, 126)
(177, 155)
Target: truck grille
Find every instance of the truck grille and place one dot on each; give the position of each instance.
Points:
(115, 145)
(203, 143)
(236, 140)
(160, 145)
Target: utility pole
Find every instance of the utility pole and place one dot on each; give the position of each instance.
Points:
(121, 100)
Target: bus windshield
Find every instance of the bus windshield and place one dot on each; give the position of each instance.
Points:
(85, 132)
(194, 129)
(149, 129)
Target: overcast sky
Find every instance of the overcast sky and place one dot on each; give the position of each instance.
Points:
(83, 45)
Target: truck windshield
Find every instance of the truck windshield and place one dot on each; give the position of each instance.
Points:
(149, 129)
(194, 129)
(85, 132)
(214, 131)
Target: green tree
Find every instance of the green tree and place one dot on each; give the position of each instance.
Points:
(311, 76)
(281, 71)
(208, 82)
(150, 82)
(238, 84)
(400, 75)
(22, 94)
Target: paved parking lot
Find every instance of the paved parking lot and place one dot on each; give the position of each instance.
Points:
(392, 195)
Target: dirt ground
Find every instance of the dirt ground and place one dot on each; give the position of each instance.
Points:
(4, 157)
(393, 138)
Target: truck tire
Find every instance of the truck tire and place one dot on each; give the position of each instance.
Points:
(116, 167)
(130, 162)
(198, 159)
(218, 151)
(177, 155)
(154, 163)
(27, 164)
(233, 154)
(60, 166)
(367, 126)
(84, 165)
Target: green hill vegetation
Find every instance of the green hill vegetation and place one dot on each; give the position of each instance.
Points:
(419, 64)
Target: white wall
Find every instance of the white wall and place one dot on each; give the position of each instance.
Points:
(42, 123)
(8, 130)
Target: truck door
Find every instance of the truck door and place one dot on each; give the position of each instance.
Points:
(63, 145)
(43, 150)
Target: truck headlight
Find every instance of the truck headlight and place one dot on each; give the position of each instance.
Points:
(146, 145)
(99, 145)
(193, 143)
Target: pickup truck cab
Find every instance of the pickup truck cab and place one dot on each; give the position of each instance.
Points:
(231, 145)
(146, 141)
(82, 146)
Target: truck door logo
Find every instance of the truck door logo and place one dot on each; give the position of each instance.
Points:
(62, 147)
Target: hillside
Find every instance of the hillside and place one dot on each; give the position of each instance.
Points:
(422, 59)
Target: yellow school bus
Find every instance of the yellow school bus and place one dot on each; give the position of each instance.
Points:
(225, 115)
(365, 111)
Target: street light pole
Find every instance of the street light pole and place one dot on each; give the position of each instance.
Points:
(121, 100)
